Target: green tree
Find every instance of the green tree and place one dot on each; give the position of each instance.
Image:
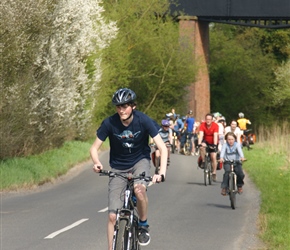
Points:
(242, 74)
(281, 91)
(275, 42)
(147, 57)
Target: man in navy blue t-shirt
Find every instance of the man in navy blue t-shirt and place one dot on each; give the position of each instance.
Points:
(128, 131)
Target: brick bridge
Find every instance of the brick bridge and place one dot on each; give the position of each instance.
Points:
(194, 17)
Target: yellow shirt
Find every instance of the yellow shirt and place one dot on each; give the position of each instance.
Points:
(243, 123)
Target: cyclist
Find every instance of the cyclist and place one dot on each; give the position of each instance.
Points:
(166, 135)
(178, 127)
(232, 150)
(208, 135)
(128, 131)
(171, 118)
(235, 129)
(221, 123)
(189, 124)
(195, 150)
(242, 121)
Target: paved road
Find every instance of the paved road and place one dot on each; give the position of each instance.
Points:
(183, 213)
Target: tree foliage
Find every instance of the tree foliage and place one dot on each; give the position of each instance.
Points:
(243, 76)
(146, 56)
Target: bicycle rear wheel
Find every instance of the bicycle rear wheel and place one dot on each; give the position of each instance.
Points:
(232, 192)
(173, 146)
(157, 165)
(186, 148)
(122, 235)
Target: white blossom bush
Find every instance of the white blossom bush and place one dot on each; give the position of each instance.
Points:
(47, 90)
(63, 96)
(20, 25)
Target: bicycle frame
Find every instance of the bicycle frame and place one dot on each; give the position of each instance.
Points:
(232, 191)
(174, 142)
(156, 160)
(186, 146)
(247, 139)
(126, 226)
(207, 167)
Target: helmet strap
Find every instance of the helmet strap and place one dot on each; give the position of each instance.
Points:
(128, 117)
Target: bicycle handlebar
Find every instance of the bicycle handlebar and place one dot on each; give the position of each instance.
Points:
(154, 145)
(128, 176)
(235, 161)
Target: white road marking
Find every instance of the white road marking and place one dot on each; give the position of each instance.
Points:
(65, 229)
(103, 210)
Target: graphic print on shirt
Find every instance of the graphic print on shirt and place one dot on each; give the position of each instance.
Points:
(127, 138)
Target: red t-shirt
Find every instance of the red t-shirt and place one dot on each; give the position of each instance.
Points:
(208, 132)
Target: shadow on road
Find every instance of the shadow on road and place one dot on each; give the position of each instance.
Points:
(219, 206)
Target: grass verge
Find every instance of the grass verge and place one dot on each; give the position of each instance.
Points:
(268, 167)
(18, 173)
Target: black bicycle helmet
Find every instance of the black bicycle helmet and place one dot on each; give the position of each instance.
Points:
(123, 96)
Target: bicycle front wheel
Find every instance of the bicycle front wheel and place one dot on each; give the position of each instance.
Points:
(232, 192)
(209, 167)
(122, 236)
(157, 165)
(134, 241)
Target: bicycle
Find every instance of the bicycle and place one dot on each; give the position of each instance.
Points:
(156, 160)
(233, 189)
(248, 139)
(174, 142)
(195, 142)
(207, 171)
(186, 148)
(126, 226)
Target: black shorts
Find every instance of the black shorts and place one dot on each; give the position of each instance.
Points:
(210, 150)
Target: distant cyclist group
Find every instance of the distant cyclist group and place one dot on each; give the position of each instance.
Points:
(130, 134)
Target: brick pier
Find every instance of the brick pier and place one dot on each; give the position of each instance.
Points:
(199, 90)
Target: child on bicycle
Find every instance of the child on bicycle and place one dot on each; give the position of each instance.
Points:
(232, 150)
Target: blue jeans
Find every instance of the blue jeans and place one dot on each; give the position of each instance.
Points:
(183, 140)
(239, 172)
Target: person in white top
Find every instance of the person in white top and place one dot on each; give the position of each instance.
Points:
(235, 129)
(221, 121)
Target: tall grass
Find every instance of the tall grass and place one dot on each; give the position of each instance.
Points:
(268, 167)
(276, 139)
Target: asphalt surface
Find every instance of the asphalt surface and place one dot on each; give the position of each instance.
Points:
(183, 213)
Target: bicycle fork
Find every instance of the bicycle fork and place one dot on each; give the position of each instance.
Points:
(129, 224)
(233, 180)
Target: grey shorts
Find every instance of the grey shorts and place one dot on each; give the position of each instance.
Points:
(117, 185)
